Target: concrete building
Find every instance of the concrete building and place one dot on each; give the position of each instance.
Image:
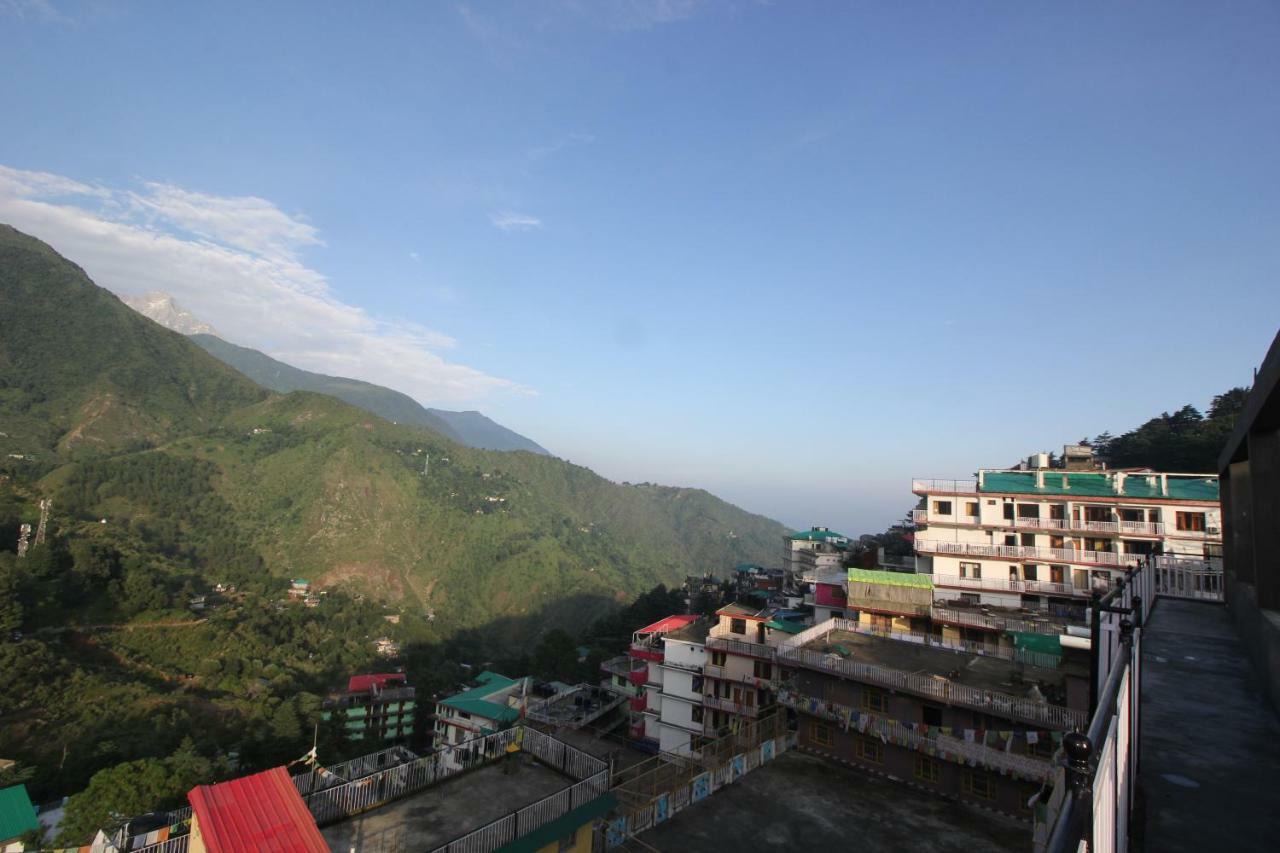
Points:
(740, 676)
(677, 701)
(1250, 471)
(493, 702)
(647, 654)
(1042, 538)
(814, 550)
(977, 727)
(379, 707)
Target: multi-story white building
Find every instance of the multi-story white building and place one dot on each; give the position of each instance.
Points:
(817, 549)
(493, 704)
(666, 657)
(1042, 536)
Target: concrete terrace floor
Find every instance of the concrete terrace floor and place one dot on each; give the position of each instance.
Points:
(799, 802)
(1210, 742)
(442, 812)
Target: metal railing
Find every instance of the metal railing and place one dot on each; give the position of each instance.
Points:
(721, 704)
(1198, 581)
(1010, 585)
(1093, 795)
(942, 689)
(1114, 527)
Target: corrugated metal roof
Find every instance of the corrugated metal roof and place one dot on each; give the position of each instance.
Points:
(16, 812)
(262, 812)
(363, 683)
(669, 623)
(1182, 487)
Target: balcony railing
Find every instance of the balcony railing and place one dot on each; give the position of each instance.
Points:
(739, 647)
(1010, 585)
(1028, 552)
(639, 676)
(721, 673)
(920, 516)
(694, 668)
(1114, 528)
(961, 486)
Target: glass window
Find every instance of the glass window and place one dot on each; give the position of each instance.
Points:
(942, 507)
(738, 626)
(1191, 521)
(820, 735)
(927, 769)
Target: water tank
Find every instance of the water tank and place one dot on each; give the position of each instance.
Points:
(1038, 460)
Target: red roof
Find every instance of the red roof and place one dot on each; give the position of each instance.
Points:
(262, 812)
(365, 683)
(670, 623)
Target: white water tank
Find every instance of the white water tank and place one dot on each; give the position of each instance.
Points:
(1038, 460)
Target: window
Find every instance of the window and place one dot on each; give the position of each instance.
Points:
(1028, 540)
(1029, 572)
(1058, 542)
(1057, 511)
(763, 669)
(869, 750)
(927, 770)
(971, 570)
(464, 715)
(1010, 540)
(569, 842)
(978, 784)
(971, 509)
(1008, 511)
(696, 713)
(874, 700)
(931, 715)
(970, 598)
(820, 735)
(942, 507)
(738, 626)
(1028, 510)
(1191, 521)
(718, 658)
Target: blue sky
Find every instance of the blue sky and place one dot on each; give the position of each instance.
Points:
(795, 253)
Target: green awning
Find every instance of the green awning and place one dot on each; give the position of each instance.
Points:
(785, 627)
(910, 579)
(17, 816)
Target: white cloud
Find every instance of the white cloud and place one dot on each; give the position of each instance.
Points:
(33, 10)
(511, 221)
(414, 256)
(236, 263)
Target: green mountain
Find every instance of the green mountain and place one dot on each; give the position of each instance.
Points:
(470, 428)
(198, 468)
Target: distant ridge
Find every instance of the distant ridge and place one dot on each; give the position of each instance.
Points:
(469, 428)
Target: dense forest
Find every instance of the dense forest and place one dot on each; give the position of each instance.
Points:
(1185, 441)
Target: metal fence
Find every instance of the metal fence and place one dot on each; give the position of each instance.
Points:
(1093, 797)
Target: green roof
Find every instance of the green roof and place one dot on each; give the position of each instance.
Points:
(1047, 644)
(910, 579)
(817, 535)
(473, 701)
(17, 815)
(784, 626)
(1089, 484)
(483, 708)
(559, 828)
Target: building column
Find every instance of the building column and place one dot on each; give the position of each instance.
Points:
(1264, 512)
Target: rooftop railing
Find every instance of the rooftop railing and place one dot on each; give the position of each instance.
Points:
(957, 486)
(1028, 552)
(997, 621)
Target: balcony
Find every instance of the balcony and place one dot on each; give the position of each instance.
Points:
(1028, 552)
(639, 703)
(1009, 585)
(740, 647)
(719, 704)
(638, 677)
(722, 673)
(694, 668)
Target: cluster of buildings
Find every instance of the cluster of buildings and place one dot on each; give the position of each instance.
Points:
(959, 669)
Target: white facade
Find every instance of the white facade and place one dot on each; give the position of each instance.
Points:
(680, 711)
(813, 549)
(1015, 548)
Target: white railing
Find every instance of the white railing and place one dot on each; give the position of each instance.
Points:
(723, 674)
(1010, 585)
(1174, 561)
(960, 486)
(1041, 523)
(933, 743)
(933, 687)
(1182, 581)
(1027, 552)
(920, 516)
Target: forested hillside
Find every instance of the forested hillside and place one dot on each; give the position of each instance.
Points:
(170, 473)
(1185, 441)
